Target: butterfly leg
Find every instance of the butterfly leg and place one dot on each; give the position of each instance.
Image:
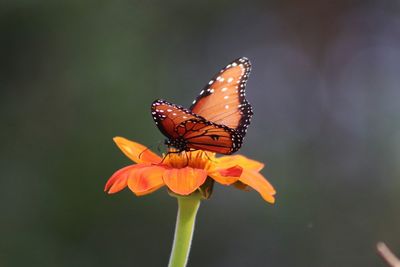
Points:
(205, 152)
(141, 153)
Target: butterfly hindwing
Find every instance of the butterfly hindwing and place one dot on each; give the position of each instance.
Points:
(205, 135)
(168, 116)
(223, 100)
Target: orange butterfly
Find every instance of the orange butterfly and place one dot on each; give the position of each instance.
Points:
(218, 119)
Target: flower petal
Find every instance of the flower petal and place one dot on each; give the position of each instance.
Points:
(259, 183)
(242, 161)
(136, 152)
(146, 180)
(118, 180)
(227, 176)
(185, 180)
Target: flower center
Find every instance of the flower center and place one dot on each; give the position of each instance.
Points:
(196, 159)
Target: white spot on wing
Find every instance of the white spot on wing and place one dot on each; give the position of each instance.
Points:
(226, 106)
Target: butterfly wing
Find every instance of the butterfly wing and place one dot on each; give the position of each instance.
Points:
(223, 99)
(205, 135)
(168, 116)
(178, 123)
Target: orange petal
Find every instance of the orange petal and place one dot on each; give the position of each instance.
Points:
(259, 183)
(136, 152)
(118, 180)
(227, 176)
(146, 180)
(242, 161)
(185, 180)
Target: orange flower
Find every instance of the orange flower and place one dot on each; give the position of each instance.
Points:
(184, 173)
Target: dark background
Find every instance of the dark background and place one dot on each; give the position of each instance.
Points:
(325, 91)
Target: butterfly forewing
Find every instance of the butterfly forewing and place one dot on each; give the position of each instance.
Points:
(223, 100)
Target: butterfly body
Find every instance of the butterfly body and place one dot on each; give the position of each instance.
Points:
(218, 119)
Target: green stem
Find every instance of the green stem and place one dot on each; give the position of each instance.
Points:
(187, 210)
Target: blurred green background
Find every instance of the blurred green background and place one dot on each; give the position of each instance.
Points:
(325, 91)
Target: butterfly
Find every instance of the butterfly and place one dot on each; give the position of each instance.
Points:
(218, 119)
